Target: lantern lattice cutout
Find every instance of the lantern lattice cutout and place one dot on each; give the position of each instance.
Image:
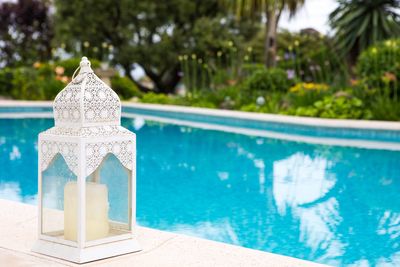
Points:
(87, 178)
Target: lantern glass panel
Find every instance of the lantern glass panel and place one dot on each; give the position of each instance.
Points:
(108, 200)
(54, 180)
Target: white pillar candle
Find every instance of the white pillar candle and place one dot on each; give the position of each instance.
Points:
(97, 225)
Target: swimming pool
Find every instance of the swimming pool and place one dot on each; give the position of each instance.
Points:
(331, 204)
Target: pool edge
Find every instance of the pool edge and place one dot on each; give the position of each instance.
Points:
(264, 117)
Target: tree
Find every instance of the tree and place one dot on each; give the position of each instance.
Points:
(147, 33)
(272, 11)
(25, 32)
(361, 23)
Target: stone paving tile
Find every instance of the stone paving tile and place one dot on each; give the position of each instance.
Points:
(18, 230)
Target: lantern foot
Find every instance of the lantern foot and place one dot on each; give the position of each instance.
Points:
(88, 254)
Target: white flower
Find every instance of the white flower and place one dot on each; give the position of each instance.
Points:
(260, 101)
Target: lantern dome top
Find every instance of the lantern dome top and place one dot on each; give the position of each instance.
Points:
(86, 101)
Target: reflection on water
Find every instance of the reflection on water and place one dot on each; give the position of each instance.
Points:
(333, 205)
(12, 191)
(300, 180)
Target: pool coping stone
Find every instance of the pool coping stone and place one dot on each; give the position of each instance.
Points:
(160, 248)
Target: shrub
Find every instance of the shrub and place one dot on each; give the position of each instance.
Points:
(31, 83)
(6, 78)
(156, 98)
(203, 104)
(379, 65)
(304, 94)
(44, 69)
(384, 108)
(50, 82)
(201, 99)
(25, 86)
(253, 107)
(50, 87)
(249, 69)
(307, 56)
(226, 98)
(124, 87)
(342, 105)
(267, 80)
(303, 88)
(271, 103)
(195, 100)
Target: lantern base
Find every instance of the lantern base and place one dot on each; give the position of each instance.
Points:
(88, 254)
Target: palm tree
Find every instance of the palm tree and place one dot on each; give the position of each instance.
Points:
(271, 10)
(360, 23)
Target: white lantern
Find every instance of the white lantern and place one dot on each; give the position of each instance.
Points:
(87, 178)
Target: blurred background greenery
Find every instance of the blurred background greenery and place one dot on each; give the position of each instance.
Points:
(228, 54)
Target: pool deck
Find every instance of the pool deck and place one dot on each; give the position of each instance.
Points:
(18, 226)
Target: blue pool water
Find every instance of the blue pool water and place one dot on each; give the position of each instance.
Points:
(334, 205)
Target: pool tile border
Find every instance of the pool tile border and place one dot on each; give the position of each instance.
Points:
(308, 121)
(353, 133)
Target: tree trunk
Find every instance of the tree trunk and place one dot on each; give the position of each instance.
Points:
(270, 36)
(170, 79)
(163, 83)
(142, 88)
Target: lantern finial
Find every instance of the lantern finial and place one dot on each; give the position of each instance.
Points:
(85, 66)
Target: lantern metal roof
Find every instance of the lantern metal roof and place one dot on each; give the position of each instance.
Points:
(87, 101)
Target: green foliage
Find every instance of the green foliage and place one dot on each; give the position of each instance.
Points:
(379, 65)
(197, 75)
(44, 69)
(305, 94)
(361, 23)
(226, 66)
(206, 49)
(154, 98)
(310, 57)
(224, 98)
(385, 108)
(48, 81)
(378, 68)
(49, 87)
(24, 84)
(28, 83)
(342, 105)
(273, 104)
(124, 87)
(269, 10)
(203, 104)
(228, 97)
(267, 80)
(250, 68)
(6, 77)
(253, 108)
(149, 33)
